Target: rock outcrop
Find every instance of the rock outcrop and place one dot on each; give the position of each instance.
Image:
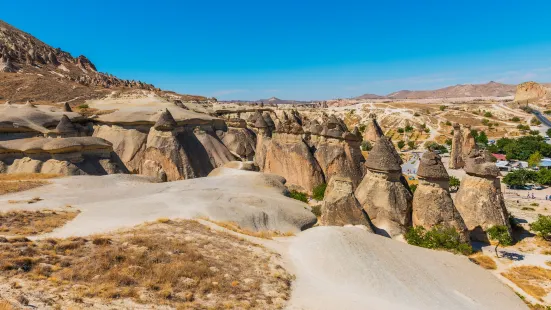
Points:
(65, 156)
(469, 143)
(479, 199)
(432, 203)
(240, 140)
(531, 92)
(456, 156)
(340, 207)
(384, 193)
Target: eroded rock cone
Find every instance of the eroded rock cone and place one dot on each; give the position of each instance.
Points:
(384, 193)
(373, 130)
(165, 122)
(340, 207)
(456, 156)
(469, 143)
(432, 203)
(65, 126)
(479, 199)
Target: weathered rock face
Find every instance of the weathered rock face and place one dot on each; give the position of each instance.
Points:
(239, 140)
(469, 143)
(128, 143)
(432, 203)
(384, 193)
(456, 157)
(340, 207)
(530, 92)
(340, 157)
(287, 155)
(479, 199)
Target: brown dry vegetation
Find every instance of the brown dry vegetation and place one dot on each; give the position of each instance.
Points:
(11, 183)
(26, 223)
(4, 305)
(534, 280)
(483, 261)
(183, 264)
(258, 234)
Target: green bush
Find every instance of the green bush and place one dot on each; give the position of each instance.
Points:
(448, 123)
(362, 128)
(413, 187)
(438, 238)
(542, 226)
(401, 144)
(416, 114)
(488, 114)
(442, 107)
(319, 191)
(535, 122)
(408, 128)
(83, 106)
(454, 183)
(515, 119)
(400, 130)
(411, 145)
(366, 146)
(299, 196)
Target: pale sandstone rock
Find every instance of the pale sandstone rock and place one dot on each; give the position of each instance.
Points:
(479, 199)
(241, 142)
(531, 91)
(340, 207)
(456, 156)
(128, 144)
(340, 157)
(432, 203)
(373, 130)
(384, 193)
(154, 169)
(468, 141)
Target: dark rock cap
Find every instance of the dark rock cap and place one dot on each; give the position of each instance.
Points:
(431, 167)
(479, 163)
(260, 122)
(383, 156)
(165, 122)
(65, 125)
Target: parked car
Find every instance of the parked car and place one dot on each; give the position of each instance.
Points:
(538, 187)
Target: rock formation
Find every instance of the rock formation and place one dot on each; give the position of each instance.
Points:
(240, 140)
(432, 203)
(340, 207)
(479, 199)
(531, 92)
(373, 131)
(65, 128)
(383, 192)
(456, 157)
(469, 142)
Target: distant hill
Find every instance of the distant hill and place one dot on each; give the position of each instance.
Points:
(270, 101)
(491, 89)
(369, 96)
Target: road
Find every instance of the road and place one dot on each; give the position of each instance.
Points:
(544, 120)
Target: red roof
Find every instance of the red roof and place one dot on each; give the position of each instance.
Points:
(500, 156)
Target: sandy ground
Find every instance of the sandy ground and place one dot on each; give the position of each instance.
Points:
(335, 268)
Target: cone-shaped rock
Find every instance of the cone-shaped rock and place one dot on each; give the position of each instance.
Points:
(373, 130)
(432, 203)
(260, 122)
(65, 125)
(384, 193)
(479, 199)
(340, 206)
(165, 122)
(456, 157)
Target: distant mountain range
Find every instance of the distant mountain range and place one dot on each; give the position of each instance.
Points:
(270, 101)
(491, 89)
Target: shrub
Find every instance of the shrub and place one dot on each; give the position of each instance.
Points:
(400, 130)
(411, 145)
(438, 238)
(534, 132)
(319, 191)
(433, 146)
(520, 177)
(548, 132)
(442, 107)
(362, 128)
(500, 233)
(427, 130)
(448, 142)
(515, 119)
(448, 123)
(547, 112)
(535, 122)
(454, 183)
(413, 188)
(488, 114)
(299, 196)
(366, 146)
(83, 106)
(401, 144)
(408, 128)
(542, 226)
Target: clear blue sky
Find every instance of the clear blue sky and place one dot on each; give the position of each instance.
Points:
(298, 49)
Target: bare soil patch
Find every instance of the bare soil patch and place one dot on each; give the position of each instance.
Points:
(181, 264)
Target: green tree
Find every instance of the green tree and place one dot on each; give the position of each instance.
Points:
(448, 142)
(535, 159)
(500, 233)
(482, 138)
(548, 132)
(408, 128)
(400, 130)
(401, 144)
(488, 114)
(515, 119)
(454, 183)
(542, 226)
(544, 177)
(520, 177)
(411, 145)
(534, 132)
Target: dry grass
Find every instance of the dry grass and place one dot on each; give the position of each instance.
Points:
(183, 264)
(26, 223)
(483, 261)
(4, 305)
(17, 182)
(266, 234)
(534, 280)
(27, 176)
